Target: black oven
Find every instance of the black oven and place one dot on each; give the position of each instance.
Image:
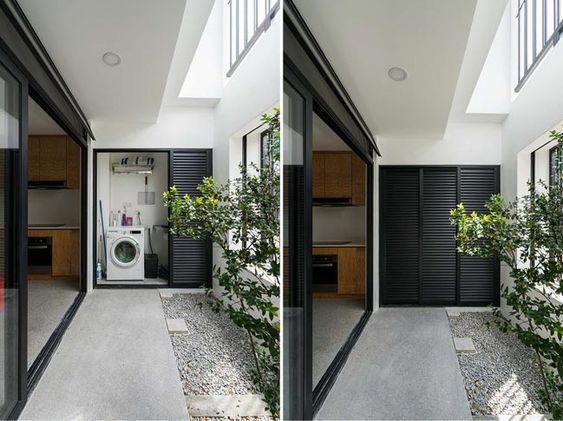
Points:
(325, 273)
(39, 254)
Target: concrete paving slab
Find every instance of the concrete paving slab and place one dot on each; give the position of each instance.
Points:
(404, 366)
(114, 362)
(176, 325)
(464, 345)
(226, 406)
(165, 293)
(453, 313)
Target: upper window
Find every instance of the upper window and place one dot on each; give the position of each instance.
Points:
(540, 23)
(248, 20)
(555, 164)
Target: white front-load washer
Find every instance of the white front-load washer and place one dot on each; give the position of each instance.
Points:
(125, 253)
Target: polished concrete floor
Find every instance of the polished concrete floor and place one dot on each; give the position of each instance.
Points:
(333, 321)
(114, 362)
(48, 303)
(404, 366)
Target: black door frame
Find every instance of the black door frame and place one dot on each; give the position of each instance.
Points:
(314, 397)
(168, 151)
(381, 255)
(28, 378)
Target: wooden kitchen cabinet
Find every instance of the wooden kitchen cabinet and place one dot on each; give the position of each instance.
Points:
(318, 174)
(358, 181)
(351, 268)
(339, 174)
(52, 158)
(72, 164)
(33, 153)
(65, 245)
(75, 253)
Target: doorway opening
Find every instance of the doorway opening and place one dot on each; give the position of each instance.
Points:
(54, 229)
(339, 244)
(132, 245)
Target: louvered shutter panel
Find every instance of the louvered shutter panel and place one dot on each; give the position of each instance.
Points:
(438, 265)
(478, 277)
(400, 248)
(190, 259)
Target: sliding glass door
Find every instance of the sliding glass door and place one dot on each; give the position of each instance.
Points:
(12, 95)
(296, 253)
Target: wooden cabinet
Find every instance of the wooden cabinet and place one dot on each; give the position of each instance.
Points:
(358, 181)
(54, 158)
(33, 153)
(318, 175)
(338, 174)
(65, 250)
(72, 164)
(351, 268)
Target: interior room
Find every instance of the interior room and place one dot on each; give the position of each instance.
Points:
(132, 221)
(339, 244)
(54, 201)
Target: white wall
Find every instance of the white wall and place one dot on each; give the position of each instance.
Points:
(177, 127)
(463, 143)
(54, 207)
(253, 89)
(339, 223)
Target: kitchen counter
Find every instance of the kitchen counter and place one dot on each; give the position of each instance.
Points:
(53, 228)
(328, 245)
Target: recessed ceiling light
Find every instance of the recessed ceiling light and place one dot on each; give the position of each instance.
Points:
(397, 74)
(111, 59)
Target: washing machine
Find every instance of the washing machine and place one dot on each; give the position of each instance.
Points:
(125, 253)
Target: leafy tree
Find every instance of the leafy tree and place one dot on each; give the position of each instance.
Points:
(242, 219)
(527, 235)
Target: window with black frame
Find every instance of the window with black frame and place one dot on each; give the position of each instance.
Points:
(555, 159)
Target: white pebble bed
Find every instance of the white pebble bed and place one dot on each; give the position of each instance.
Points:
(502, 377)
(213, 356)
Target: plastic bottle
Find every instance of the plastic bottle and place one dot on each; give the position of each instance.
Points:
(99, 271)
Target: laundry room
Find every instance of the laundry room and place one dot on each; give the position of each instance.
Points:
(132, 222)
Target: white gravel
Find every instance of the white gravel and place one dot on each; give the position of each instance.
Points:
(213, 356)
(502, 377)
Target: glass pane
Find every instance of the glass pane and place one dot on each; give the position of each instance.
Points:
(125, 252)
(293, 253)
(10, 98)
(339, 244)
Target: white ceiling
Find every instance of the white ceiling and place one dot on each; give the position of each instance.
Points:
(326, 139)
(362, 39)
(76, 33)
(39, 122)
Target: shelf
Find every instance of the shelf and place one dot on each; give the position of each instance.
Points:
(132, 169)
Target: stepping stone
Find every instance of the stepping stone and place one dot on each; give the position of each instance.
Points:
(226, 406)
(165, 293)
(453, 313)
(176, 325)
(464, 345)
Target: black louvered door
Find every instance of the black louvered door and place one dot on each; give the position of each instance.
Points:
(478, 277)
(438, 261)
(400, 236)
(419, 260)
(190, 260)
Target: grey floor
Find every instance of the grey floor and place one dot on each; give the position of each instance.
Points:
(333, 321)
(404, 366)
(145, 282)
(48, 303)
(114, 362)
